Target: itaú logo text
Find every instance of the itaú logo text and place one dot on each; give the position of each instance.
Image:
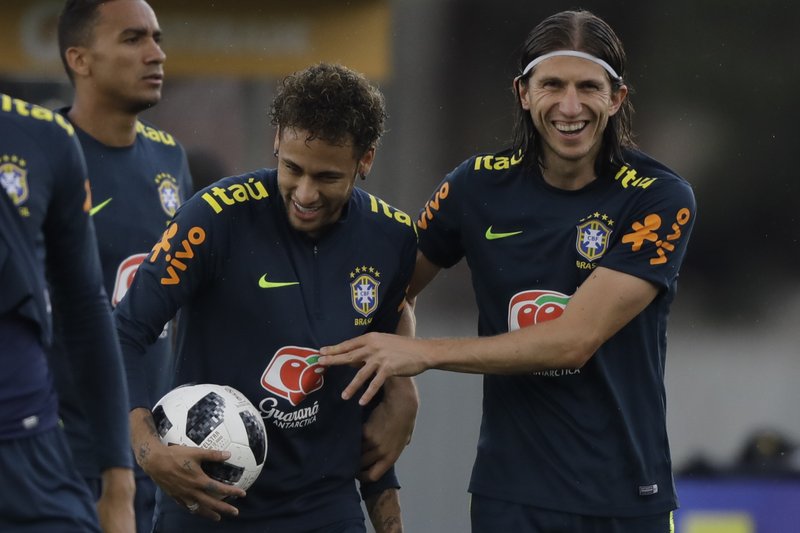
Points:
(534, 307)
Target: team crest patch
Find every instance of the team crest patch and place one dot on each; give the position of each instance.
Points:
(592, 240)
(364, 289)
(168, 193)
(14, 178)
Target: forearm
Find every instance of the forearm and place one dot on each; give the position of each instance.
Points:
(384, 511)
(145, 440)
(516, 352)
(97, 368)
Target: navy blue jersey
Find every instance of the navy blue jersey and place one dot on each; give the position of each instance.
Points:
(591, 441)
(257, 300)
(43, 172)
(135, 191)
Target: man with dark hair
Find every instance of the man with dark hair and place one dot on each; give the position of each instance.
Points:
(139, 175)
(265, 268)
(44, 208)
(574, 239)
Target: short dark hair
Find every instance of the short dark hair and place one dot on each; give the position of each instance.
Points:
(583, 31)
(75, 25)
(332, 103)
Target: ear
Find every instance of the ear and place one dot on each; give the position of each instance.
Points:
(77, 58)
(277, 142)
(617, 97)
(521, 91)
(365, 163)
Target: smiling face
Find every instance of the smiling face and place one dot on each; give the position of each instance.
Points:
(570, 100)
(316, 178)
(124, 62)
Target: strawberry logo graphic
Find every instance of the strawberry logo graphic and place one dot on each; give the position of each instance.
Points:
(293, 373)
(534, 307)
(125, 273)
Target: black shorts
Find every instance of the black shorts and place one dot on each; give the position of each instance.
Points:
(170, 518)
(490, 516)
(41, 490)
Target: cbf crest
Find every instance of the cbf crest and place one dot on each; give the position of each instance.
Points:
(593, 235)
(364, 289)
(14, 178)
(168, 193)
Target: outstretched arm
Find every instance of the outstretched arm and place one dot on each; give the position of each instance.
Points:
(601, 306)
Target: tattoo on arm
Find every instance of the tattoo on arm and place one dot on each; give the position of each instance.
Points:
(143, 455)
(384, 511)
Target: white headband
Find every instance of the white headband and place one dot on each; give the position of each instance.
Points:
(573, 53)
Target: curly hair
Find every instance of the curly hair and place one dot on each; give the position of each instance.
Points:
(332, 103)
(576, 30)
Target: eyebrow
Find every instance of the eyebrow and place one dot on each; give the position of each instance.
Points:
(584, 81)
(321, 174)
(141, 31)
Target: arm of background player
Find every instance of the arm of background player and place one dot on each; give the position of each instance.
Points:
(76, 279)
(600, 307)
(384, 511)
(389, 427)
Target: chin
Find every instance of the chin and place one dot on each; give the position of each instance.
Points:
(144, 104)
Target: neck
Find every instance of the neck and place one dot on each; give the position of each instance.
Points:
(569, 175)
(109, 125)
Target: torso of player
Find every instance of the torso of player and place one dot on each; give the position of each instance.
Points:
(275, 297)
(262, 299)
(529, 246)
(589, 440)
(135, 191)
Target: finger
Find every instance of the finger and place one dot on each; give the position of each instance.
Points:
(220, 491)
(357, 382)
(215, 506)
(208, 513)
(339, 349)
(373, 388)
(216, 456)
(369, 457)
(374, 472)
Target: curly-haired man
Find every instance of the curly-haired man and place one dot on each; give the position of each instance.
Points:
(267, 267)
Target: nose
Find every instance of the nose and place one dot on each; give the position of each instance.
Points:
(155, 54)
(570, 104)
(305, 193)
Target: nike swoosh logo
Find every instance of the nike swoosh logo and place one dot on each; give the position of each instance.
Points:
(94, 210)
(264, 284)
(490, 235)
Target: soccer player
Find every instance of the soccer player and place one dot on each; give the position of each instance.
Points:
(574, 239)
(138, 174)
(265, 268)
(44, 208)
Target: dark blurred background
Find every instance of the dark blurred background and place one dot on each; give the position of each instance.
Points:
(714, 84)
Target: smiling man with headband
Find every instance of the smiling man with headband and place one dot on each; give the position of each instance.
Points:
(574, 239)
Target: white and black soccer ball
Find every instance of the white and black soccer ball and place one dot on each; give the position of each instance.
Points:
(215, 417)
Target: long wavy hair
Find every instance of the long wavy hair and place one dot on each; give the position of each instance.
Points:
(583, 31)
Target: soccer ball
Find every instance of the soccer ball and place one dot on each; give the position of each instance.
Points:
(215, 417)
